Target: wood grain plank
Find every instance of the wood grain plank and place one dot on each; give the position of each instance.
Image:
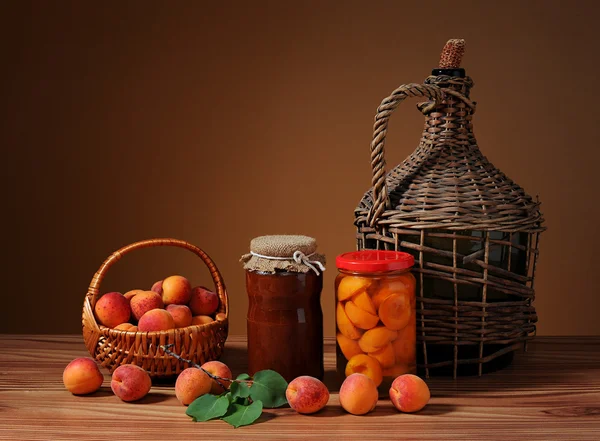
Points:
(552, 392)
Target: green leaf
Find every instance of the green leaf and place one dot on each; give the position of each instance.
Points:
(238, 415)
(207, 407)
(243, 377)
(239, 390)
(269, 387)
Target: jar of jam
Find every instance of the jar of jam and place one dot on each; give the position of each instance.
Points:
(284, 279)
(375, 315)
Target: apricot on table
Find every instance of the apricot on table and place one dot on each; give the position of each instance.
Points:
(203, 301)
(112, 309)
(307, 394)
(409, 393)
(364, 364)
(359, 317)
(218, 369)
(358, 394)
(145, 301)
(395, 311)
(130, 382)
(156, 320)
(176, 290)
(351, 285)
(191, 384)
(82, 376)
(182, 316)
(345, 325)
(376, 338)
(348, 347)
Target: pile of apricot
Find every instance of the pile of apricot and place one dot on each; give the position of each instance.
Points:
(376, 325)
(170, 303)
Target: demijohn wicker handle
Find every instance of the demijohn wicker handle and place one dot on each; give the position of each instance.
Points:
(384, 111)
(94, 289)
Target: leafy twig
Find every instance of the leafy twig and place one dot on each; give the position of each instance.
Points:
(191, 363)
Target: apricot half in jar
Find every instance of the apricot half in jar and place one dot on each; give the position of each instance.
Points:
(387, 288)
(385, 356)
(363, 364)
(405, 346)
(376, 338)
(349, 347)
(359, 317)
(395, 311)
(350, 286)
(344, 324)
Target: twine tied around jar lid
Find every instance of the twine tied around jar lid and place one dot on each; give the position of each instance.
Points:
(292, 253)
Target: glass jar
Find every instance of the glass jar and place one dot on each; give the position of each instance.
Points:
(285, 323)
(375, 315)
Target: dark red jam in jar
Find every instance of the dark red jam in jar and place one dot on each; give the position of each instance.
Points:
(284, 279)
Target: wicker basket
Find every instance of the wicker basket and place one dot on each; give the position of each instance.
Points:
(198, 343)
(474, 232)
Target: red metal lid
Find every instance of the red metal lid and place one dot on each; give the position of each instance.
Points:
(374, 261)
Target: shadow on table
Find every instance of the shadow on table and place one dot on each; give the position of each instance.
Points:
(545, 365)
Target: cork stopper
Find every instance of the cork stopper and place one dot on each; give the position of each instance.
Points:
(452, 54)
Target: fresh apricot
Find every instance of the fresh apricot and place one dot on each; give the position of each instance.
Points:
(124, 326)
(376, 338)
(130, 382)
(112, 309)
(182, 316)
(203, 301)
(145, 301)
(82, 376)
(348, 347)
(176, 290)
(395, 311)
(363, 364)
(218, 369)
(345, 325)
(307, 394)
(156, 320)
(409, 393)
(351, 285)
(201, 320)
(359, 317)
(358, 394)
(191, 384)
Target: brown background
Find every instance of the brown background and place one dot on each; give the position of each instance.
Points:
(215, 124)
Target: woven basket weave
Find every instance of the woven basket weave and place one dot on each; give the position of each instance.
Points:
(474, 232)
(198, 343)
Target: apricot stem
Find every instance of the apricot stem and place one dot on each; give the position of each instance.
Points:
(219, 380)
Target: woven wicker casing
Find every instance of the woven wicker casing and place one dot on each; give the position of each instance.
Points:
(198, 343)
(474, 232)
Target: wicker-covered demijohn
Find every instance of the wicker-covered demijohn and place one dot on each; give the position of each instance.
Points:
(197, 343)
(473, 231)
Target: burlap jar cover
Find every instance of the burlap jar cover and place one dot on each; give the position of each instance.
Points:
(294, 253)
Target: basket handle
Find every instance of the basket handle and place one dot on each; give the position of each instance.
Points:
(384, 111)
(94, 288)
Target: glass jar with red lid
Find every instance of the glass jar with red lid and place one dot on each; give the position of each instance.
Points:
(375, 315)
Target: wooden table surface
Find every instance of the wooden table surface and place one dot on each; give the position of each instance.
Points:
(550, 393)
